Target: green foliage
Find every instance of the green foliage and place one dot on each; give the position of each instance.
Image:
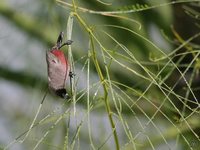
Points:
(136, 78)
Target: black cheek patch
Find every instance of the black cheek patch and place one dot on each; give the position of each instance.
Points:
(62, 93)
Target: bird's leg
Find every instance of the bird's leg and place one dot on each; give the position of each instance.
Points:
(71, 74)
(68, 42)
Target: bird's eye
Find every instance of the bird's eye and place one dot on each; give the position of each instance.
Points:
(62, 93)
(66, 96)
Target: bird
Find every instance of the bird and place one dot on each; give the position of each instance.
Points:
(58, 68)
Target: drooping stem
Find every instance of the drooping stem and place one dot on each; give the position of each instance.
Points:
(102, 79)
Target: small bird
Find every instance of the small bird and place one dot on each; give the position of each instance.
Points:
(58, 68)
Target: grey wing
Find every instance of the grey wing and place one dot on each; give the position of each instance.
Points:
(51, 57)
(56, 72)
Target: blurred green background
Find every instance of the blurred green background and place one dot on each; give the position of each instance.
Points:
(30, 28)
